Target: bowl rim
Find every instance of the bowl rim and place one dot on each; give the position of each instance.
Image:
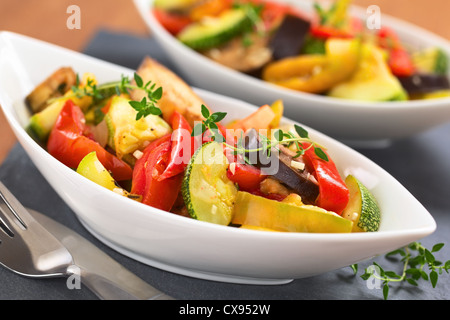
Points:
(144, 210)
(395, 23)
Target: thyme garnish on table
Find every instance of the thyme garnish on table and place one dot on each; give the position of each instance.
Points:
(413, 267)
(279, 137)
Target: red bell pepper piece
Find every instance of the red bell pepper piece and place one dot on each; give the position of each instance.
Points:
(400, 61)
(171, 22)
(70, 141)
(246, 176)
(333, 192)
(160, 194)
(273, 12)
(324, 32)
(183, 146)
(271, 196)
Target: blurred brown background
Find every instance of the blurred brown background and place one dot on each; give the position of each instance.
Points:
(46, 20)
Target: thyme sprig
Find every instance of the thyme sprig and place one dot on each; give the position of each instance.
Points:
(417, 261)
(145, 107)
(267, 144)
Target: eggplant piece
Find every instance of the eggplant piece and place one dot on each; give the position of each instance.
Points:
(424, 83)
(278, 165)
(289, 38)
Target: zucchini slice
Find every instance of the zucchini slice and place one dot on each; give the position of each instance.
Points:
(207, 192)
(362, 208)
(215, 31)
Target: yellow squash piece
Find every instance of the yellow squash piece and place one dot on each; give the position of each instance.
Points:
(280, 216)
(278, 109)
(91, 168)
(316, 73)
(373, 80)
(126, 134)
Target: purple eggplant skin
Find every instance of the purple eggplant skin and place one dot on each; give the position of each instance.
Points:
(289, 38)
(424, 83)
(278, 165)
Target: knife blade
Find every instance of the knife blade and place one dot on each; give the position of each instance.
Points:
(103, 275)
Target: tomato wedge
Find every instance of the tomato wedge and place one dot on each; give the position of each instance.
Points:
(246, 176)
(139, 177)
(70, 141)
(183, 146)
(160, 194)
(171, 22)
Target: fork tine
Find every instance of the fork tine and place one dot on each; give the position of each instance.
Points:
(12, 213)
(4, 226)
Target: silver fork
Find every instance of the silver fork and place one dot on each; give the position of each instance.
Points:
(27, 248)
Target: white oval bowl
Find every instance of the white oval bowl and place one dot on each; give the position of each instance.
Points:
(354, 122)
(186, 246)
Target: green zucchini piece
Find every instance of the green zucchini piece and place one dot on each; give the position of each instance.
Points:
(215, 31)
(362, 208)
(41, 123)
(207, 192)
(431, 60)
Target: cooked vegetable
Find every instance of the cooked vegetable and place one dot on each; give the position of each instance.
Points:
(259, 120)
(248, 58)
(431, 60)
(42, 122)
(251, 210)
(333, 193)
(278, 109)
(209, 8)
(215, 31)
(175, 5)
(246, 176)
(289, 38)
(279, 44)
(400, 62)
(334, 22)
(183, 147)
(177, 94)
(419, 84)
(279, 166)
(362, 208)
(56, 85)
(91, 168)
(208, 193)
(372, 81)
(126, 134)
(70, 141)
(172, 22)
(399, 59)
(161, 194)
(436, 94)
(313, 46)
(196, 172)
(316, 73)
